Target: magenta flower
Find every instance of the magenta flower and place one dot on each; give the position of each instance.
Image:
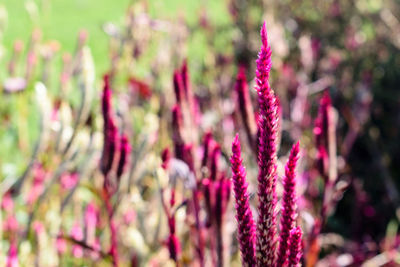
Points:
(206, 148)
(61, 245)
(166, 157)
(124, 149)
(12, 257)
(244, 216)
(214, 162)
(177, 132)
(69, 180)
(245, 107)
(295, 247)
(173, 241)
(321, 133)
(267, 154)
(91, 219)
(110, 129)
(77, 234)
(7, 202)
(110, 143)
(178, 86)
(288, 216)
(106, 100)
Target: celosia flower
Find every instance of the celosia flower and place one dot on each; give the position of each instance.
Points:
(173, 241)
(188, 156)
(214, 163)
(110, 142)
(244, 216)
(7, 203)
(140, 88)
(61, 244)
(206, 148)
(289, 214)
(124, 149)
(321, 129)
(178, 86)
(77, 234)
(267, 127)
(10, 224)
(245, 107)
(106, 100)
(177, 132)
(91, 219)
(110, 129)
(295, 247)
(12, 257)
(166, 157)
(69, 180)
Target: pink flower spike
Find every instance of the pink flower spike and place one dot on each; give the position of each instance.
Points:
(267, 157)
(214, 162)
(178, 86)
(245, 107)
(295, 247)
(244, 216)
(124, 150)
(166, 157)
(12, 257)
(288, 216)
(7, 203)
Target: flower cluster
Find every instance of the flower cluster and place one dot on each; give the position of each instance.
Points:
(266, 235)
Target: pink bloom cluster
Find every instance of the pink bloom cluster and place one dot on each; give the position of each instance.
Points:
(266, 239)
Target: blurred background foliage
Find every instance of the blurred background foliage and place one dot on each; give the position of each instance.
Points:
(350, 48)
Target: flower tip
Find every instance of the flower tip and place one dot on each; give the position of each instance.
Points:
(176, 109)
(264, 35)
(296, 147)
(326, 98)
(236, 141)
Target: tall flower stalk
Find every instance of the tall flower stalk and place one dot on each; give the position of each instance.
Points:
(244, 216)
(260, 248)
(245, 107)
(288, 215)
(109, 147)
(267, 157)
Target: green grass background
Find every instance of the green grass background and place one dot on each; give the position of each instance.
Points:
(61, 20)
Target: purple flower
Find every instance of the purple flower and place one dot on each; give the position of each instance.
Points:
(214, 163)
(178, 86)
(267, 148)
(206, 148)
(124, 150)
(244, 216)
(110, 129)
(177, 132)
(110, 142)
(106, 100)
(288, 216)
(166, 157)
(295, 247)
(245, 107)
(321, 133)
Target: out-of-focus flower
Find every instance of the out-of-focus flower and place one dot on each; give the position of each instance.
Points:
(12, 257)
